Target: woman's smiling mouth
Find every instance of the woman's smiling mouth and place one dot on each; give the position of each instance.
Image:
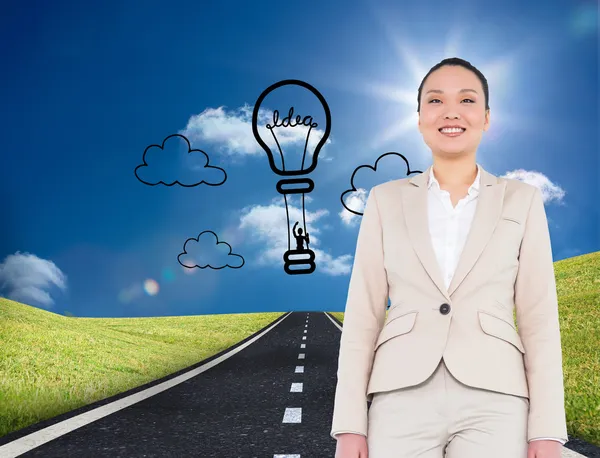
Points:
(451, 131)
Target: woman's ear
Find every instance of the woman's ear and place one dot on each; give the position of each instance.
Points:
(486, 123)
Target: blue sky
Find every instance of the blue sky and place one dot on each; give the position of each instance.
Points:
(88, 86)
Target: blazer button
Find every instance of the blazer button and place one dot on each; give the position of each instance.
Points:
(444, 309)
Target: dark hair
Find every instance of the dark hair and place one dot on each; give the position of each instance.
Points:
(455, 61)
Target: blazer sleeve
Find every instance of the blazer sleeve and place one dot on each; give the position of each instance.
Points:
(536, 304)
(363, 319)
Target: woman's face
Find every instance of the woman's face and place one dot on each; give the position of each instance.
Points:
(453, 96)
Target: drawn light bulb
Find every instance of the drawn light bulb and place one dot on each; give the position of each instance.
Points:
(303, 185)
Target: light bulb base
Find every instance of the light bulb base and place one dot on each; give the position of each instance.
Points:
(301, 185)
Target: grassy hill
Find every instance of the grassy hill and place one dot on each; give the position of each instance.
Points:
(51, 364)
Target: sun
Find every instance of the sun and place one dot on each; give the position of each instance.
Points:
(393, 123)
(399, 122)
(498, 72)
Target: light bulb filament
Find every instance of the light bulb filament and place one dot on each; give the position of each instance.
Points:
(287, 121)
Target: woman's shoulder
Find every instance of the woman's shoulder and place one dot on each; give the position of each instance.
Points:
(519, 187)
(391, 185)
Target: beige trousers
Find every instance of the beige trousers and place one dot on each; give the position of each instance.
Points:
(441, 417)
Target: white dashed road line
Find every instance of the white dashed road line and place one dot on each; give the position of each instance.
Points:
(292, 415)
(296, 388)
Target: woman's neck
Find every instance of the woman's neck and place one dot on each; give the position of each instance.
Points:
(456, 172)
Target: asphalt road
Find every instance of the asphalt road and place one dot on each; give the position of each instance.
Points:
(271, 395)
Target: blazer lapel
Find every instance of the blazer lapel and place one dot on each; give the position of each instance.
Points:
(414, 200)
(487, 215)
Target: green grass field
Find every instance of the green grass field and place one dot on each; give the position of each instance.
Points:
(51, 364)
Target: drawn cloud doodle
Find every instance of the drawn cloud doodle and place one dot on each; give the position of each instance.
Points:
(175, 162)
(206, 251)
(354, 194)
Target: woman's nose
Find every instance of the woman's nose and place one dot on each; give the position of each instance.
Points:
(452, 115)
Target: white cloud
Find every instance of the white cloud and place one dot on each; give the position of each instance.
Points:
(232, 132)
(550, 190)
(25, 278)
(266, 224)
(355, 200)
(342, 265)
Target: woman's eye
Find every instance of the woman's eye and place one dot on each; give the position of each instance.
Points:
(470, 100)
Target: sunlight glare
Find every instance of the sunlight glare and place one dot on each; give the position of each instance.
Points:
(499, 73)
(392, 93)
(397, 129)
(451, 47)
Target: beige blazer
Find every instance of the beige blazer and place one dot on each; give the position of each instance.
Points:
(506, 264)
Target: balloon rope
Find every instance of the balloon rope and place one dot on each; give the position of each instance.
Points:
(287, 215)
(304, 218)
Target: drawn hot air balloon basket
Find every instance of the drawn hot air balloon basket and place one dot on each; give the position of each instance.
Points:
(301, 257)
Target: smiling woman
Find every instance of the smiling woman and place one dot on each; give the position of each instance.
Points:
(445, 244)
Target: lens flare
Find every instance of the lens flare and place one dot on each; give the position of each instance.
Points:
(168, 274)
(584, 19)
(189, 270)
(131, 293)
(151, 287)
